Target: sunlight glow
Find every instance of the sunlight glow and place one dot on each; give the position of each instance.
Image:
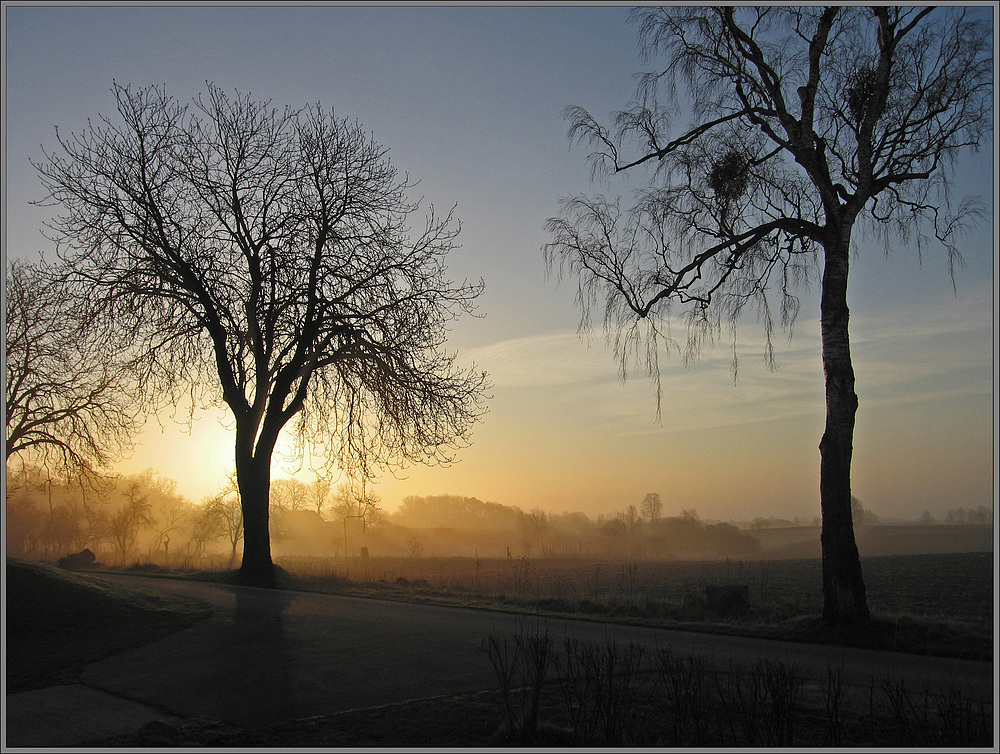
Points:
(563, 432)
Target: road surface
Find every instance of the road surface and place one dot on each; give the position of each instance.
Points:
(268, 656)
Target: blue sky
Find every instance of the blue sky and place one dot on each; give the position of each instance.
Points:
(469, 102)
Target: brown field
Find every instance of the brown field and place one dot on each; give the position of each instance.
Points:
(951, 587)
(887, 539)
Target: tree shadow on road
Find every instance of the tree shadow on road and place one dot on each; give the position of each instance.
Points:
(259, 635)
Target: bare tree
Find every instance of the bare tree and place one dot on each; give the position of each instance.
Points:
(533, 526)
(358, 504)
(68, 389)
(227, 510)
(170, 512)
(124, 524)
(204, 527)
(353, 499)
(290, 494)
(318, 493)
(652, 506)
(267, 261)
(415, 547)
(861, 515)
(808, 122)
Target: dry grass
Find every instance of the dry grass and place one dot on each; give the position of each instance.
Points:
(919, 584)
(925, 604)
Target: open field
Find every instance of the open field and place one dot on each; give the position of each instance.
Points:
(783, 543)
(952, 587)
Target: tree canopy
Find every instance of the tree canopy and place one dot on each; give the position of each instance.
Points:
(267, 260)
(70, 394)
(799, 117)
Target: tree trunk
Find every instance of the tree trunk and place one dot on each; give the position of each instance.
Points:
(253, 474)
(844, 599)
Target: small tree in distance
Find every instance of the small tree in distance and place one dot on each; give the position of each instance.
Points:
(264, 259)
(862, 516)
(808, 122)
(227, 511)
(652, 506)
(356, 506)
(125, 523)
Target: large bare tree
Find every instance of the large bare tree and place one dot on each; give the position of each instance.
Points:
(70, 402)
(267, 261)
(807, 123)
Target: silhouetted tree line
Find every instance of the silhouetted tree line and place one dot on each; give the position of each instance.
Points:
(626, 533)
(455, 512)
(141, 518)
(957, 516)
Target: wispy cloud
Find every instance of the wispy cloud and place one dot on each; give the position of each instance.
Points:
(942, 349)
(939, 351)
(544, 361)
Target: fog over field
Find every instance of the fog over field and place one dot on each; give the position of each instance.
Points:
(142, 518)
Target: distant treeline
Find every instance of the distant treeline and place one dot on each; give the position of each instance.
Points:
(141, 518)
(535, 532)
(455, 512)
(959, 516)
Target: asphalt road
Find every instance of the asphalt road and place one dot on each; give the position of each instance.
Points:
(269, 655)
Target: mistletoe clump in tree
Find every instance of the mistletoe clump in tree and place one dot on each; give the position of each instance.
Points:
(808, 123)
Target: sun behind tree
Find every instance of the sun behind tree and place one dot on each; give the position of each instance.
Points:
(264, 260)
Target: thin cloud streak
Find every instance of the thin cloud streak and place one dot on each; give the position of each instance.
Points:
(895, 361)
(543, 361)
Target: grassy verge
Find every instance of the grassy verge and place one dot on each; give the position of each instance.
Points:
(57, 622)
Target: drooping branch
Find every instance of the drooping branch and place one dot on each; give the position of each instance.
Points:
(752, 183)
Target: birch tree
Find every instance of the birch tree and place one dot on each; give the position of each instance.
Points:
(807, 125)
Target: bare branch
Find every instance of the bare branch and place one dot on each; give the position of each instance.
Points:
(72, 397)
